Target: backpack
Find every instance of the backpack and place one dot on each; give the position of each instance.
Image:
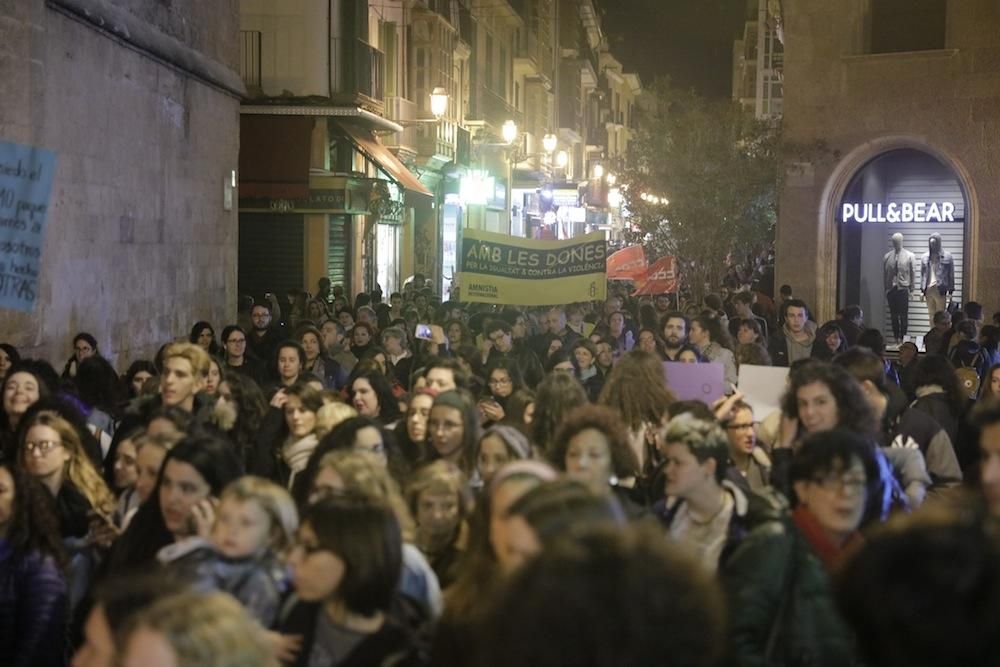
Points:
(968, 378)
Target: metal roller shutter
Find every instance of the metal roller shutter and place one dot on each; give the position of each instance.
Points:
(271, 254)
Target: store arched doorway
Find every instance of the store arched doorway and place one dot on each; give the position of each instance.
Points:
(909, 192)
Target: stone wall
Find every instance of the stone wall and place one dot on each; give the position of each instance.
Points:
(138, 245)
(945, 102)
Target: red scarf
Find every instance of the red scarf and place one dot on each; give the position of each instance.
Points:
(831, 554)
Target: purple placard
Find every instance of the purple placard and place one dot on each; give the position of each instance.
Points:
(703, 382)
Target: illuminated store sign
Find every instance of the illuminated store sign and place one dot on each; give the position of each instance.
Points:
(896, 212)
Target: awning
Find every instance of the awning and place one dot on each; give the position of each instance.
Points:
(274, 156)
(364, 140)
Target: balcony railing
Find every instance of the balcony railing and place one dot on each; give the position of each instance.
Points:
(356, 68)
(250, 59)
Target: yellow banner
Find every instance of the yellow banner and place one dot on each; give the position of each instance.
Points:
(501, 269)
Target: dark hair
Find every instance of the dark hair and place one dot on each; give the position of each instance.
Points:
(793, 303)
(785, 289)
(716, 333)
(942, 316)
(496, 325)
(824, 352)
(743, 297)
(12, 353)
(558, 357)
(214, 459)
(609, 424)
(512, 369)
(950, 560)
(863, 364)
(936, 369)
(179, 417)
(388, 405)
(852, 312)
(853, 410)
(228, 330)
(599, 600)
(312, 399)
(687, 347)
(556, 395)
(251, 406)
(289, 345)
(196, 330)
(637, 389)
(121, 597)
(87, 338)
(693, 407)
(367, 537)
(33, 530)
(676, 314)
(829, 451)
(98, 385)
(136, 367)
(461, 377)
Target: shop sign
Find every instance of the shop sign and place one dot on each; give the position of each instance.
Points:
(899, 212)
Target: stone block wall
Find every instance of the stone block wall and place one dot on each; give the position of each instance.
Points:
(138, 245)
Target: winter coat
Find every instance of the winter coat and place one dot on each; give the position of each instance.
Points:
(780, 595)
(34, 608)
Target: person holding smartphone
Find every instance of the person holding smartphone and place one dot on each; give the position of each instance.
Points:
(502, 379)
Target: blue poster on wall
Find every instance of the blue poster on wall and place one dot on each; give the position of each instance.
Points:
(25, 187)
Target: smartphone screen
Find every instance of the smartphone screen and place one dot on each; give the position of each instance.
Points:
(424, 332)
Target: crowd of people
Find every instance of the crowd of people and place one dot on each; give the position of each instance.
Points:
(330, 482)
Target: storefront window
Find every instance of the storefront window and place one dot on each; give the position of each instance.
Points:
(912, 194)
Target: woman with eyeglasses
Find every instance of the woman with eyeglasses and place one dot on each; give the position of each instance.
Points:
(237, 357)
(503, 378)
(51, 451)
(781, 605)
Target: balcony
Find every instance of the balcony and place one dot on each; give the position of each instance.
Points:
(402, 111)
(357, 71)
(437, 141)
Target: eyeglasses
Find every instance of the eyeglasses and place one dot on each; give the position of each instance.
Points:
(739, 427)
(499, 381)
(41, 447)
(852, 483)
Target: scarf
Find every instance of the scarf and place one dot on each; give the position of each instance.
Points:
(832, 555)
(295, 454)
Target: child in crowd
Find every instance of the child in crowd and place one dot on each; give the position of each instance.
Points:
(254, 526)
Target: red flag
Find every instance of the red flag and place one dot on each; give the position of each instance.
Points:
(661, 278)
(627, 264)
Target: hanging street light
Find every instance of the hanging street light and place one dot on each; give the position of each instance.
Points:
(439, 102)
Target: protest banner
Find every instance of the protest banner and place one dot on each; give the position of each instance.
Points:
(660, 278)
(496, 268)
(762, 388)
(25, 186)
(628, 264)
(689, 382)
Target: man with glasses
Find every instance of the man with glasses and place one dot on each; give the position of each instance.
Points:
(749, 462)
(263, 340)
(499, 343)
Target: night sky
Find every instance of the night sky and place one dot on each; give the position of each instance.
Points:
(689, 40)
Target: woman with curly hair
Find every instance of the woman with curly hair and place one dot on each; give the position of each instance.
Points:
(637, 389)
(830, 341)
(33, 593)
(370, 393)
(592, 447)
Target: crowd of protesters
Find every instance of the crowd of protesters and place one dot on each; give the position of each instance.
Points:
(409, 482)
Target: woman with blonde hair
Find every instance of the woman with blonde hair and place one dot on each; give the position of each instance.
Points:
(195, 630)
(51, 451)
(344, 472)
(331, 415)
(637, 388)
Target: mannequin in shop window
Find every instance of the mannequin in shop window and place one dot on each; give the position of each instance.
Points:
(937, 275)
(899, 271)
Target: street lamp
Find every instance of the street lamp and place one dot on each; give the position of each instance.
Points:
(598, 171)
(439, 102)
(549, 142)
(509, 131)
(562, 159)
(611, 179)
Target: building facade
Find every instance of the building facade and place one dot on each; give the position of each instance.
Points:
(891, 131)
(140, 103)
